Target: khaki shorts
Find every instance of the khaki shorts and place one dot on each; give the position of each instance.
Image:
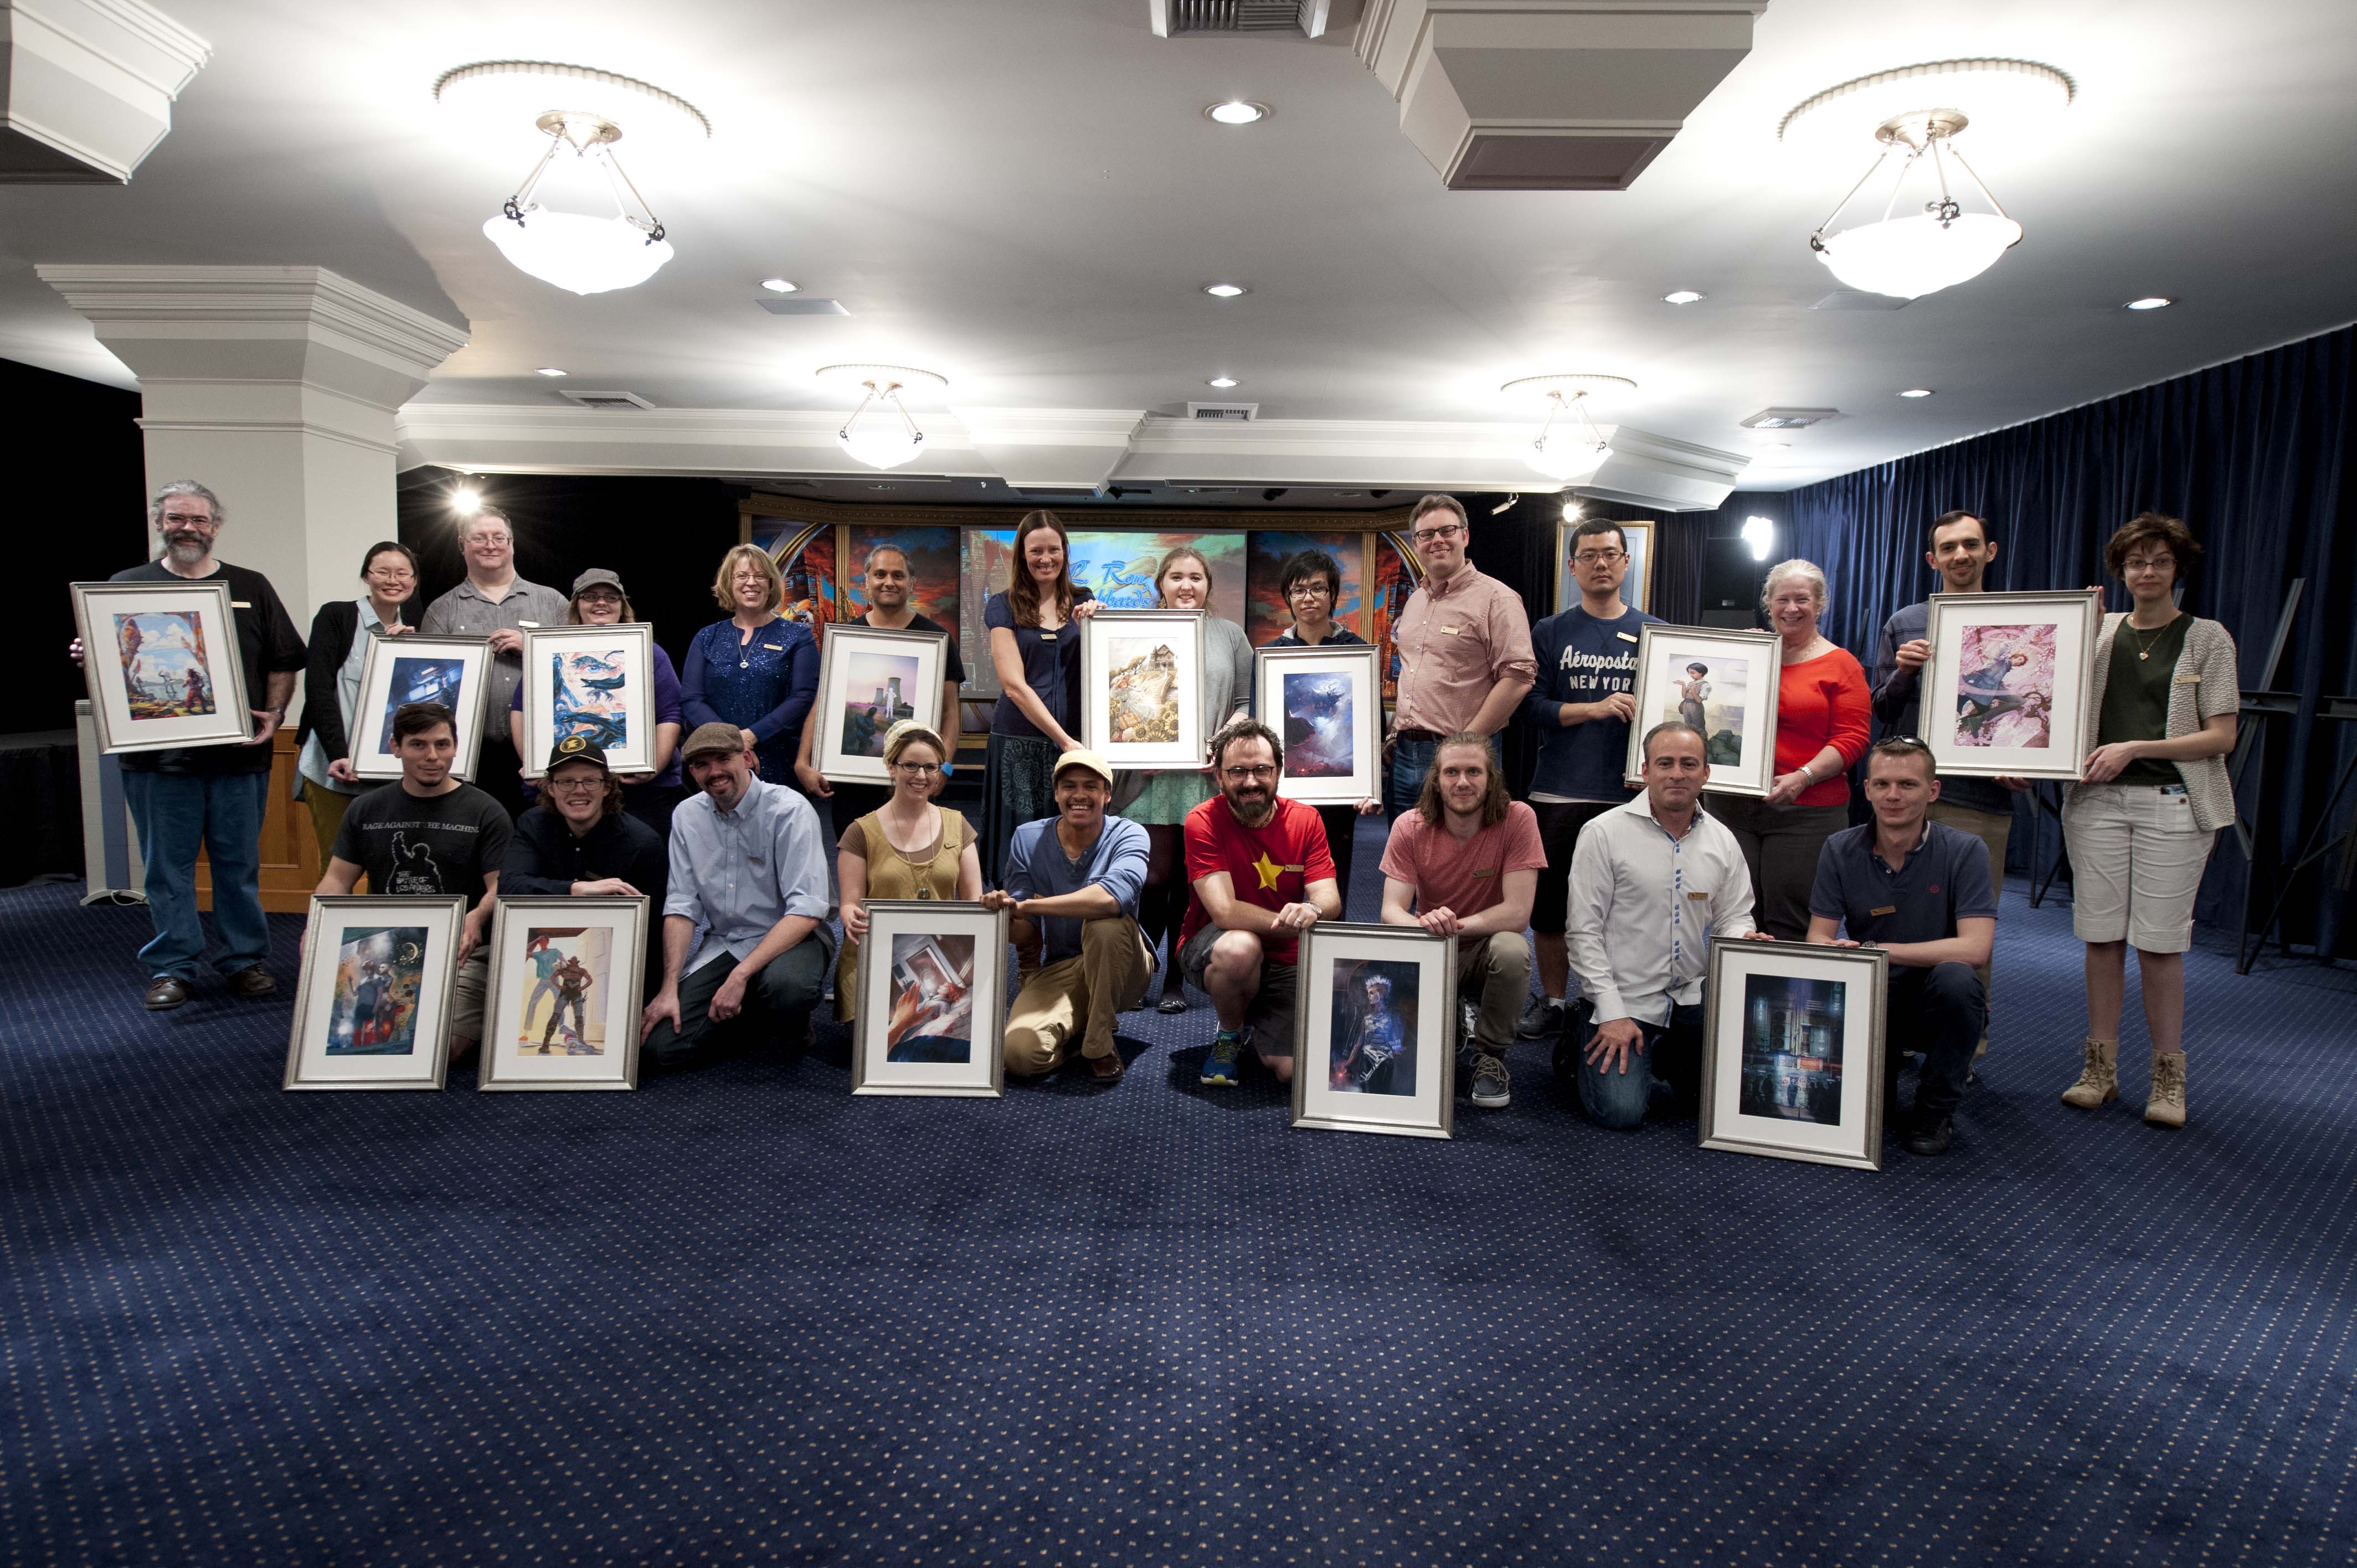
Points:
(2135, 864)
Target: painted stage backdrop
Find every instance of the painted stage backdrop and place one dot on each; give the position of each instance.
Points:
(933, 566)
(1265, 552)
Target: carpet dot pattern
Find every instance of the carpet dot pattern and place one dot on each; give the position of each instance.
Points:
(741, 1315)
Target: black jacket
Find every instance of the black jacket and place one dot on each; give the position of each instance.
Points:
(545, 858)
(332, 630)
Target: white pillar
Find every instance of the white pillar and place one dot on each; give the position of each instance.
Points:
(276, 386)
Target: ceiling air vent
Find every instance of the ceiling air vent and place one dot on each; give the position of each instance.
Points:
(1790, 418)
(1197, 18)
(1233, 413)
(608, 399)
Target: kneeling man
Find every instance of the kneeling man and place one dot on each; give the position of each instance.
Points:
(1467, 860)
(1260, 875)
(1653, 884)
(1072, 882)
(1919, 890)
(746, 862)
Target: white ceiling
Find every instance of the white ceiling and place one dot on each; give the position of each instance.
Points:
(1025, 197)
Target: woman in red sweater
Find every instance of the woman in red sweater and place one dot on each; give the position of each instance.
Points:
(1823, 709)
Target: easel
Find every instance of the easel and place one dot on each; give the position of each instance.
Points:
(2315, 846)
(2256, 710)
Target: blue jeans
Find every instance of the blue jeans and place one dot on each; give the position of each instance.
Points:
(1411, 761)
(176, 814)
(1942, 1012)
(1672, 1053)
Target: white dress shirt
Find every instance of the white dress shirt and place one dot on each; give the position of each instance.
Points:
(741, 872)
(1646, 906)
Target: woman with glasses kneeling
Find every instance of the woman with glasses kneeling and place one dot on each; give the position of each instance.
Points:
(906, 848)
(2149, 802)
(580, 842)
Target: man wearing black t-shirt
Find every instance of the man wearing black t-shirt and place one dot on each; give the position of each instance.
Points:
(430, 834)
(885, 581)
(209, 797)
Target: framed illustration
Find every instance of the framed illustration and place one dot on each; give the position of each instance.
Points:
(1723, 683)
(452, 670)
(2008, 689)
(1373, 1045)
(1636, 587)
(1328, 704)
(1142, 687)
(162, 661)
(594, 682)
(372, 1010)
(563, 994)
(932, 1000)
(869, 680)
(1793, 1052)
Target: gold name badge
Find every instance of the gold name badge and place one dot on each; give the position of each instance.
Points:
(1886, 909)
(774, 647)
(1697, 898)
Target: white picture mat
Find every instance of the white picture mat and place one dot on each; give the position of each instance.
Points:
(1662, 654)
(635, 640)
(506, 1063)
(839, 660)
(96, 607)
(310, 1065)
(1852, 1139)
(370, 758)
(1363, 667)
(2077, 620)
(1325, 951)
(1107, 640)
(981, 1073)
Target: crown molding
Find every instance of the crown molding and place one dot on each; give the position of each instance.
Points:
(127, 303)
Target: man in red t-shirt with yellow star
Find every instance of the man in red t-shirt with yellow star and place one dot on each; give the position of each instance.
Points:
(1260, 875)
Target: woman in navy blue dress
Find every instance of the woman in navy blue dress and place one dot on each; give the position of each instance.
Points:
(1036, 650)
(755, 670)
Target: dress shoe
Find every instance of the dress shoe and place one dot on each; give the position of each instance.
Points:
(253, 981)
(1930, 1136)
(166, 992)
(1106, 1068)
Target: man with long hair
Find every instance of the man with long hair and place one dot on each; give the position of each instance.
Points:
(1466, 863)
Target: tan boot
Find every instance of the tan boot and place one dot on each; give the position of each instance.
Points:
(2099, 1080)
(2166, 1106)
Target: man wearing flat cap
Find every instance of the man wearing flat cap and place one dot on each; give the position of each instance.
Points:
(747, 863)
(580, 842)
(1072, 881)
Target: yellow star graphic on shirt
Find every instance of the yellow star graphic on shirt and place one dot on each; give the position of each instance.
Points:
(1268, 870)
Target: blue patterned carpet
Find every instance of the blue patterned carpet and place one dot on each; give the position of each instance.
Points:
(740, 1316)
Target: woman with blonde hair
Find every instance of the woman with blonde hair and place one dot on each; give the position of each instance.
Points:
(1036, 652)
(757, 670)
(1158, 800)
(907, 848)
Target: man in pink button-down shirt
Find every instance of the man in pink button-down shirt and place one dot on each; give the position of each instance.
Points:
(1464, 644)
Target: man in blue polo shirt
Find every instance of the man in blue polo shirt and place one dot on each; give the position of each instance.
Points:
(1919, 890)
(1581, 708)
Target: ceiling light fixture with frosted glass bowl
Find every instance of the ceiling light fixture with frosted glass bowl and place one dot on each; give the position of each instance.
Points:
(1578, 448)
(581, 111)
(880, 431)
(1924, 239)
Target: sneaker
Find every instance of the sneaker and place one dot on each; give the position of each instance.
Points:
(1933, 1136)
(1491, 1087)
(1220, 1066)
(1541, 1020)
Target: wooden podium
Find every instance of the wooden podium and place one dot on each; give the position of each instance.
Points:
(290, 850)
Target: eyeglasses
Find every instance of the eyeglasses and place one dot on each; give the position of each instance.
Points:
(920, 768)
(575, 786)
(1317, 590)
(1263, 771)
(392, 573)
(1443, 531)
(1599, 557)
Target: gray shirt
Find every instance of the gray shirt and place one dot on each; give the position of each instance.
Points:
(467, 611)
(1038, 868)
(741, 872)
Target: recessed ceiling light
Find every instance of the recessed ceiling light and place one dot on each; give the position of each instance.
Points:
(2151, 302)
(1236, 112)
(1224, 381)
(1917, 392)
(1684, 297)
(548, 370)
(1225, 290)
(777, 286)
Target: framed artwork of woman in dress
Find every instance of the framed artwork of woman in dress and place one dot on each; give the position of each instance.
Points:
(594, 683)
(1720, 682)
(2009, 686)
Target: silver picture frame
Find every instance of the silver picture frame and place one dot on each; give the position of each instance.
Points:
(1361, 666)
(509, 1062)
(312, 1060)
(922, 655)
(1777, 1102)
(1322, 1063)
(1108, 643)
(1967, 703)
(920, 923)
(373, 708)
(1664, 655)
(635, 753)
(123, 677)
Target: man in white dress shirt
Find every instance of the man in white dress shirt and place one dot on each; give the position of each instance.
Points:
(1653, 884)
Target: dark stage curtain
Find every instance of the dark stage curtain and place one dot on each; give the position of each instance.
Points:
(2253, 453)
